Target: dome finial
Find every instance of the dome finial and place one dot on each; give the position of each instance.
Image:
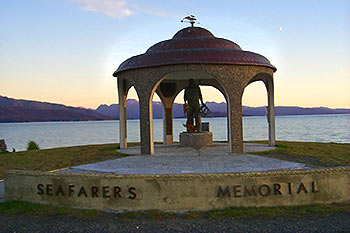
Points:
(190, 19)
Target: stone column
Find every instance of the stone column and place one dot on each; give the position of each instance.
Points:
(232, 80)
(235, 125)
(122, 113)
(146, 123)
(271, 111)
(228, 123)
(167, 92)
(168, 120)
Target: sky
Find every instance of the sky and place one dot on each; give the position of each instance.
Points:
(65, 51)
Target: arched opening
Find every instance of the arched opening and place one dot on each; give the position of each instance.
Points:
(170, 91)
(254, 102)
(129, 113)
(157, 118)
(132, 115)
(217, 119)
(258, 109)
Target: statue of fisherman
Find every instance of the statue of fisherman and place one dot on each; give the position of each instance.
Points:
(192, 108)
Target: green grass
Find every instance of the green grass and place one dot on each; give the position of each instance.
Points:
(291, 211)
(312, 153)
(19, 207)
(58, 158)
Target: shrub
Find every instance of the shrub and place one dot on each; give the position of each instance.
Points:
(32, 146)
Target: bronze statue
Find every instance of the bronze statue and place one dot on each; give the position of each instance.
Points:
(192, 108)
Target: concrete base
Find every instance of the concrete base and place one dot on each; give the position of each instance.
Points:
(196, 140)
(179, 192)
(174, 159)
(216, 148)
(186, 164)
(168, 139)
(172, 180)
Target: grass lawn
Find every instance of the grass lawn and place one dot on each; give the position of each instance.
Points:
(51, 159)
(311, 153)
(19, 207)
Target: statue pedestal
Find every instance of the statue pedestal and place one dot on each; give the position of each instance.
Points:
(196, 140)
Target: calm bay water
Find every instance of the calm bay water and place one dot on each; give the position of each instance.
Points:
(318, 128)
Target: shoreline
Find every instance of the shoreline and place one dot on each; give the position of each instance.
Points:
(248, 116)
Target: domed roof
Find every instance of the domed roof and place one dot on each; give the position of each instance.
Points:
(194, 45)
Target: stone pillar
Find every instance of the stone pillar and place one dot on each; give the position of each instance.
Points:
(167, 92)
(146, 123)
(122, 113)
(228, 127)
(233, 85)
(168, 120)
(271, 111)
(235, 124)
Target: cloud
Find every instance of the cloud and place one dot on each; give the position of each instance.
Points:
(113, 8)
(120, 8)
(155, 12)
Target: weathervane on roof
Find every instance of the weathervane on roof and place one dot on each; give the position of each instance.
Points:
(190, 19)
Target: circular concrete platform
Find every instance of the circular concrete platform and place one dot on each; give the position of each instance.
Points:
(181, 180)
(217, 148)
(174, 159)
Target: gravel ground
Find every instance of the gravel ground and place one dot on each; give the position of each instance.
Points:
(339, 222)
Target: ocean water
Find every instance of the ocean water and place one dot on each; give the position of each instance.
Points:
(318, 128)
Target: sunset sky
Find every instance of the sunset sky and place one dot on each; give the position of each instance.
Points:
(65, 51)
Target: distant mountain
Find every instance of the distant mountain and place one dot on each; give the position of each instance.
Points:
(132, 110)
(217, 110)
(13, 110)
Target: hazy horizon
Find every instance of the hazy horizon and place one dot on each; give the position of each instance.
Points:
(174, 103)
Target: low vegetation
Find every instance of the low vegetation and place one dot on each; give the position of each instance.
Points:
(19, 207)
(58, 158)
(311, 153)
(291, 211)
(32, 146)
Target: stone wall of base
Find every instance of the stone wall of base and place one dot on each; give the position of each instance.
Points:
(196, 140)
(179, 192)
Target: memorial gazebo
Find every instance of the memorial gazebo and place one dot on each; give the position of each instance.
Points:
(195, 53)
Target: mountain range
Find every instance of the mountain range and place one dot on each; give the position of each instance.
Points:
(15, 110)
(217, 110)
